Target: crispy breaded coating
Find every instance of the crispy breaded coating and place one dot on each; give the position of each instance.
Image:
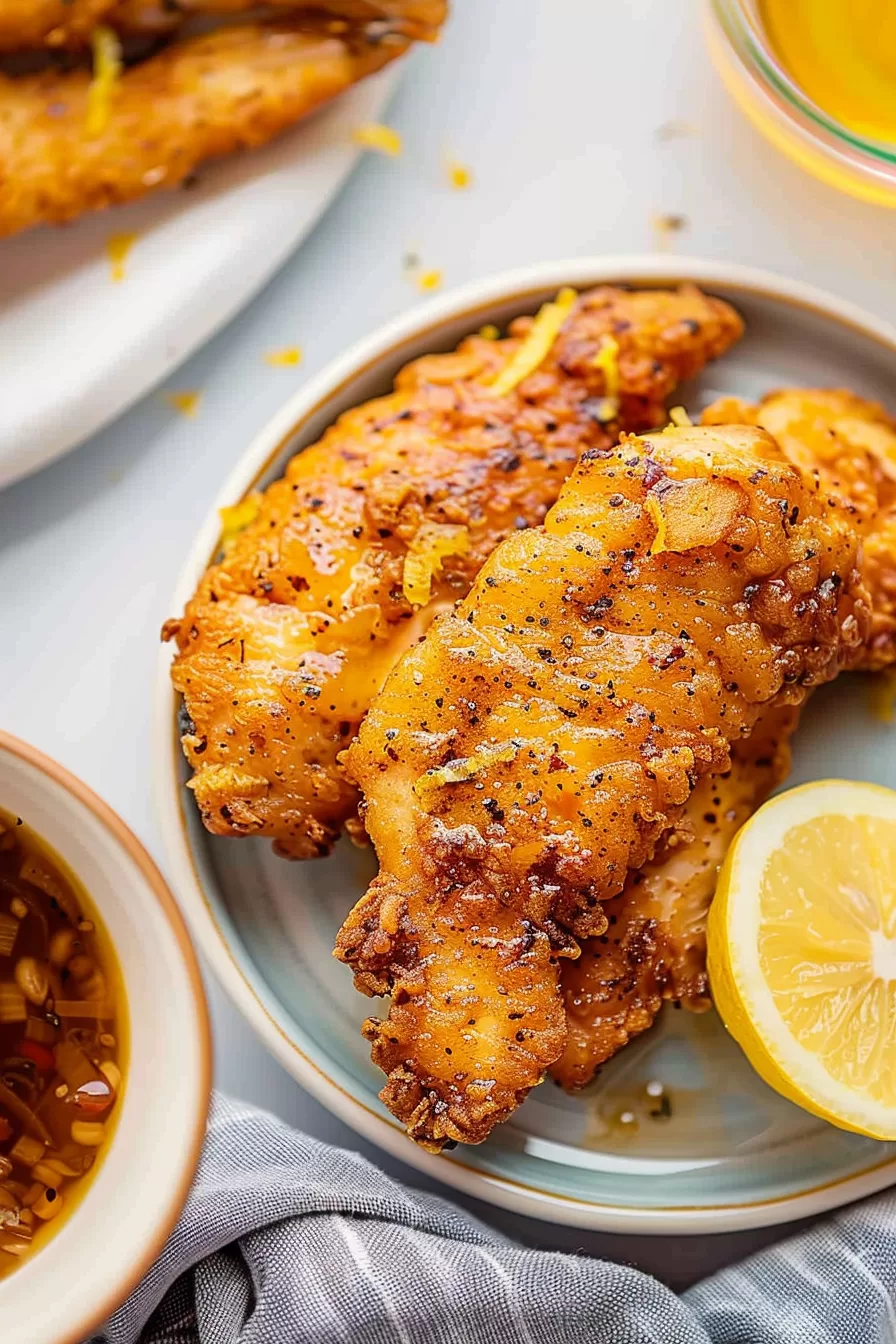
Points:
(290, 636)
(535, 746)
(195, 100)
(654, 947)
(33, 23)
(849, 444)
(476, 1015)
(417, 19)
(421, 19)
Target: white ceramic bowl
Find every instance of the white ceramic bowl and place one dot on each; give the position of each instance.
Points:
(90, 1264)
(735, 1155)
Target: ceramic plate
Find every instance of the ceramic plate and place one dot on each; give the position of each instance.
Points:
(733, 1154)
(199, 256)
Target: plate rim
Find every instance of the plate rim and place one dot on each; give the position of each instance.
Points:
(198, 904)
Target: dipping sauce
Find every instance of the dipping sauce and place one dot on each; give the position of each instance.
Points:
(61, 1011)
(842, 53)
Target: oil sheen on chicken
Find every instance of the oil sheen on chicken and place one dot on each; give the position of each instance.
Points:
(289, 637)
(533, 749)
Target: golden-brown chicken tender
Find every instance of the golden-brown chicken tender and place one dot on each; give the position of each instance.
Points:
(534, 747)
(195, 100)
(287, 640)
(654, 947)
(418, 19)
(850, 444)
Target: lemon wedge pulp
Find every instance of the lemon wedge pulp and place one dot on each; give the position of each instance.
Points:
(802, 950)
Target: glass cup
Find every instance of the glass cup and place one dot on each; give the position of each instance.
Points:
(786, 115)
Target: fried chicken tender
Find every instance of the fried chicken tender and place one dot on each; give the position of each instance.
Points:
(533, 749)
(195, 100)
(850, 446)
(655, 945)
(417, 19)
(290, 636)
(33, 23)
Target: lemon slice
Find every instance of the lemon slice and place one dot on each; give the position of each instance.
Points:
(802, 950)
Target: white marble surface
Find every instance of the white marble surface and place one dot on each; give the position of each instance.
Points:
(556, 105)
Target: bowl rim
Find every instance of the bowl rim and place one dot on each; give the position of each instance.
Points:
(111, 1297)
(474, 300)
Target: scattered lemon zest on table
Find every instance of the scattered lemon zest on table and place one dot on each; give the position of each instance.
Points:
(288, 357)
(431, 544)
(383, 139)
(235, 518)
(537, 345)
(607, 360)
(106, 74)
(664, 228)
(489, 332)
(679, 417)
(118, 249)
(185, 403)
(427, 281)
(658, 545)
(459, 175)
(883, 696)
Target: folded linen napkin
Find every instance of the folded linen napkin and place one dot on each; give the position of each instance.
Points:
(285, 1240)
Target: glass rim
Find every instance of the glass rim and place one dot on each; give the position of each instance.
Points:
(750, 43)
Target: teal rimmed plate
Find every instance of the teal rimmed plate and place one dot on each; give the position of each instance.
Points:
(732, 1154)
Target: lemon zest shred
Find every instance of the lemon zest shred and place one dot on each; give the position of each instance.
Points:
(459, 175)
(461, 770)
(118, 249)
(655, 513)
(679, 417)
(106, 50)
(607, 360)
(537, 345)
(373, 135)
(429, 280)
(288, 357)
(883, 697)
(416, 580)
(431, 544)
(235, 518)
(606, 409)
(185, 403)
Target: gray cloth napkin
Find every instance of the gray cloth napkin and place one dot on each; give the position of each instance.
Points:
(285, 1240)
